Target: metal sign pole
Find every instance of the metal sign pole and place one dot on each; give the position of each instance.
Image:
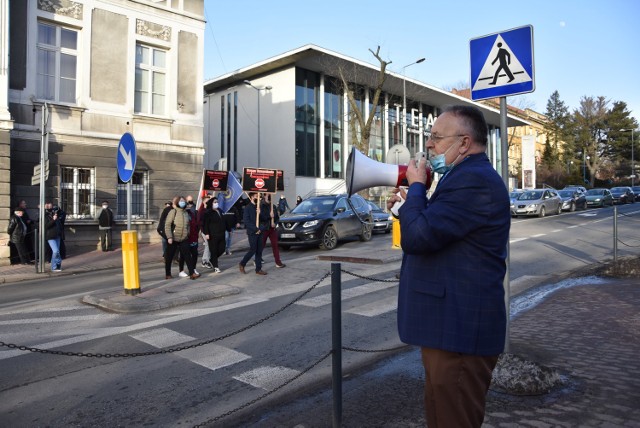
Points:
(504, 154)
(129, 205)
(44, 155)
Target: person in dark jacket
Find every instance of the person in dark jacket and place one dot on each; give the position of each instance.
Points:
(283, 205)
(254, 233)
(52, 233)
(18, 232)
(168, 206)
(105, 223)
(29, 240)
(271, 231)
(232, 222)
(214, 227)
(451, 292)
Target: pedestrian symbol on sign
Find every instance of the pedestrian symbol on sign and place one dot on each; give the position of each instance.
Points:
(501, 68)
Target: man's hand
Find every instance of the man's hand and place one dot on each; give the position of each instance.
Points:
(420, 173)
(170, 240)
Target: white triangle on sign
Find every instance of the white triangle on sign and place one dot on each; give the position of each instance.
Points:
(501, 59)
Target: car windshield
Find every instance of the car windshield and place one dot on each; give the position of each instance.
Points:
(530, 196)
(618, 189)
(374, 207)
(314, 206)
(514, 194)
(565, 193)
(595, 192)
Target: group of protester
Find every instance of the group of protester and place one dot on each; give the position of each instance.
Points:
(21, 229)
(182, 225)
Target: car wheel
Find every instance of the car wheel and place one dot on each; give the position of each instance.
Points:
(329, 239)
(542, 212)
(559, 211)
(572, 208)
(367, 231)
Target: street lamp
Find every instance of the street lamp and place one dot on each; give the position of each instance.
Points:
(404, 100)
(633, 173)
(258, 89)
(584, 167)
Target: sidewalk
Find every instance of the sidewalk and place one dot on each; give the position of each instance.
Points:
(589, 334)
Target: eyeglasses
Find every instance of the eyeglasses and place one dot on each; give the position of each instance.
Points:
(436, 138)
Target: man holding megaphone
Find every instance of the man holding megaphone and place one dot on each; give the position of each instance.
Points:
(451, 296)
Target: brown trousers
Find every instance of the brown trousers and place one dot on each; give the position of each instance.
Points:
(456, 387)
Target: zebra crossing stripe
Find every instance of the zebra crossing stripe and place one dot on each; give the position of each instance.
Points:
(267, 377)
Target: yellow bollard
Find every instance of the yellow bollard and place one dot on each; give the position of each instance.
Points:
(395, 234)
(130, 262)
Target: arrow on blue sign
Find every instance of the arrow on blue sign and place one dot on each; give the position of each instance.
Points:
(126, 157)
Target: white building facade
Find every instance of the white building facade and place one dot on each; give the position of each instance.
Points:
(289, 113)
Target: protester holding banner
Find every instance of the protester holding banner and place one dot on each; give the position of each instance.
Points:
(271, 232)
(255, 224)
(213, 227)
(177, 230)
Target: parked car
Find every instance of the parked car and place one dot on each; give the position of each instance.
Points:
(580, 188)
(537, 202)
(572, 199)
(382, 221)
(324, 220)
(623, 195)
(636, 191)
(598, 197)
(513, 195)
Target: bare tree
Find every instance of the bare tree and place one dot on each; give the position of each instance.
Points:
(359, 128)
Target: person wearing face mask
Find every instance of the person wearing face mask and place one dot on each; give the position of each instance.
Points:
(451, 295)
(255, 226)
(105, 223)
(214, 228)
(177, 229)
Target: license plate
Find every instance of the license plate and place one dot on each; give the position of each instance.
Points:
(288, 235)
(521, 211)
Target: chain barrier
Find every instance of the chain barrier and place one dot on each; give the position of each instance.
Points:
(266, 394)
(633, 218)
(170, 350)
(368, 278)
(216, 339)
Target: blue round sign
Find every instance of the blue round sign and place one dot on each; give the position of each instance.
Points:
(127, 154)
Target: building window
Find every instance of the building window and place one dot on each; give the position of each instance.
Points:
(77, 192)
(333, 112)
(222, 126)
(307, 132)
(150, 86)
(376, 138)
(139, 196)
(56, 63)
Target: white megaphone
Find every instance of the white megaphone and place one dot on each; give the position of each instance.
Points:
(364, 172)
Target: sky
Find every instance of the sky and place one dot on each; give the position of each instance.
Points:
(581, 47)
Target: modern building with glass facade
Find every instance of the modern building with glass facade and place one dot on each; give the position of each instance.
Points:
(289, 113)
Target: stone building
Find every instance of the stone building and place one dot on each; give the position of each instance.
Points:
(100, 68)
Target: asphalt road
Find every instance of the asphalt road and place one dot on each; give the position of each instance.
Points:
(202, 383)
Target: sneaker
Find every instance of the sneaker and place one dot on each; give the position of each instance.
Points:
(196, 272)
(216, 270)
(228, 253)
(183, 274)
(57, 270)
(280, 265)
(195, 275)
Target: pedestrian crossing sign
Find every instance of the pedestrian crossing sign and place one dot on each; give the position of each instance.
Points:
(502, 64)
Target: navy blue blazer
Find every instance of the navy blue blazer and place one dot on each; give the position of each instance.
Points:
(451, 294)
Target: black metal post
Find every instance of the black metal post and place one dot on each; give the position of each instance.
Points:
(336, 336)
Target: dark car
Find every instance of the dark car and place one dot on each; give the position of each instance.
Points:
(577, 187)
(324, 220)
(623, 195)
(382, 221)
(636, 191)
(598, 197)
(572, 199)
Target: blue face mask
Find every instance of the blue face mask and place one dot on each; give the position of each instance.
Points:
(438, 162)
(182, 204)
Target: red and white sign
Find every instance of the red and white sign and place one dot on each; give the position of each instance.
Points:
(215, 182)
(259, 183)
